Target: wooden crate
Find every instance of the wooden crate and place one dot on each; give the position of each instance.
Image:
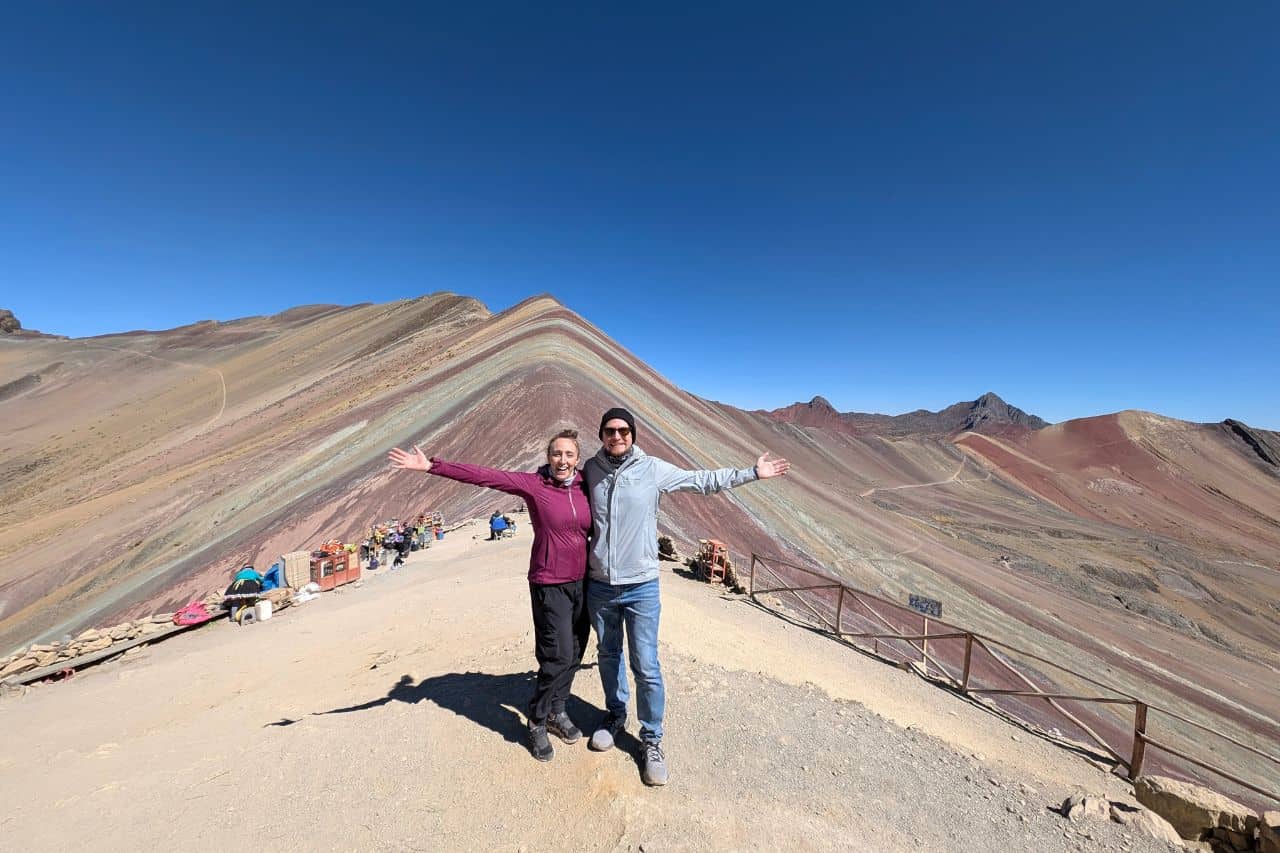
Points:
(297, 569)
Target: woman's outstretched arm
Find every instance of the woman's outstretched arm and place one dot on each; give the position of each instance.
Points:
(511, 482)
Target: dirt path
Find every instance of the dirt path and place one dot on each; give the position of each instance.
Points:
(222, 379)
(954, 478)
(387, 718)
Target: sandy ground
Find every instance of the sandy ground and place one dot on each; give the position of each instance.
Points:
(386, 717)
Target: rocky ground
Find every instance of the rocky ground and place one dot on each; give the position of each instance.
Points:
(386, 717)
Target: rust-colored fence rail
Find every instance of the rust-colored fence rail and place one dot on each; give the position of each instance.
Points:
(974, 664)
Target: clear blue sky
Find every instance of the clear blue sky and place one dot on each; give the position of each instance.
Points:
(893, 205)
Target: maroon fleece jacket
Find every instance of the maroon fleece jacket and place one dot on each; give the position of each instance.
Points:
(560, 516)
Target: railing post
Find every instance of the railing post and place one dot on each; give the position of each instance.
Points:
(839, 609)
(1139, 739)
(968, 656)
(751, 576)
(924, 645)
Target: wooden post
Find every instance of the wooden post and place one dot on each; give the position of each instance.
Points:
(1139, 739)
(924, 645)
(839, 609)
(751, 576)
(968, 656)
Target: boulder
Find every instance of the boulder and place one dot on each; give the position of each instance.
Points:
(1193, 810)
(45, 658)
(1144, 820)
(1269, 833)
(19, 666)
(91, 634)
(93, 646)
(162, 618)
(118, 632)
(1081, 806)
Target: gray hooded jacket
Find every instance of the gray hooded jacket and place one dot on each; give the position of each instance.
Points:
(624, 510)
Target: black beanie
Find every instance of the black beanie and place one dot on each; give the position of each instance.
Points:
(622, 414)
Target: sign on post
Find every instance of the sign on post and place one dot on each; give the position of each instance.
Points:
(927, 606)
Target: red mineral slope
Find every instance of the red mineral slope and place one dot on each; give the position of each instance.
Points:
(1200, 484)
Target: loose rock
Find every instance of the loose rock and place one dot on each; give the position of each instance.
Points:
(1081, 806)
(1146, 821)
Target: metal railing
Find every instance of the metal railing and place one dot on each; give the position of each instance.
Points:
(979, 654)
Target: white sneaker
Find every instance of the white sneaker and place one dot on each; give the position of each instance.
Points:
(602, 739)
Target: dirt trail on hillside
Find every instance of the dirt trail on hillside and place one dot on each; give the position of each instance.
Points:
(387, 718)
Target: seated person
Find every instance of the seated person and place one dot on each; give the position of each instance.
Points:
(497, 524)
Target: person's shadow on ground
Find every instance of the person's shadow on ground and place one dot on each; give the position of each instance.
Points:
(496, 702)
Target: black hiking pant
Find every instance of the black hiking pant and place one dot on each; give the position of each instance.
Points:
(560, 632)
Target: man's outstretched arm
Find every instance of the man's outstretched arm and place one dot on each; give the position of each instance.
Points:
(707, 481)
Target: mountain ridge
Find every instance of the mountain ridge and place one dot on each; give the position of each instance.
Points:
(987, 412)
(1137, 541)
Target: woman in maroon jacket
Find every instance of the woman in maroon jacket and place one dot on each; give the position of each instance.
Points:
(561, 519)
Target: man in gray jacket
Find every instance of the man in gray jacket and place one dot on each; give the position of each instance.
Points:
(624, 484)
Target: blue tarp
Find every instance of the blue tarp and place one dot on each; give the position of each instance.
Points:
(271, 580)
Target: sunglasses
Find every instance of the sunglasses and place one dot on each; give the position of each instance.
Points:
(619, 431)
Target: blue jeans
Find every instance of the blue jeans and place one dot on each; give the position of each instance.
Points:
(636, 608)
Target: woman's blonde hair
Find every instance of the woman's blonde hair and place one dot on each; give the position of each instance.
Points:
(571, 434)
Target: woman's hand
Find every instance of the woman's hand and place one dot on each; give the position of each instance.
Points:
(766, 467)
(415, 461)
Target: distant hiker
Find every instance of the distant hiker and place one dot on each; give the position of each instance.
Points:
(561, 523)
(497, 524)
(624, 484)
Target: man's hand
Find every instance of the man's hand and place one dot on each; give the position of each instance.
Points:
(417, 460)
(766, 467)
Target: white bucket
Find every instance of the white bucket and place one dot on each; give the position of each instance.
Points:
(262, 610)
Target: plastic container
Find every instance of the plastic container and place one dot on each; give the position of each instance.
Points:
(262, 610)
(439, 534)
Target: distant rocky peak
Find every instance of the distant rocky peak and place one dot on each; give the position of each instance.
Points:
(821, 404)
(8, 323)
(990, 409)
(991, 398)
(1266, 445)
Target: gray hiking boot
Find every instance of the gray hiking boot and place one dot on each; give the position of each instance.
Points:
(539, 743)
(603, 737)
(562, 727)
(655, 764)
